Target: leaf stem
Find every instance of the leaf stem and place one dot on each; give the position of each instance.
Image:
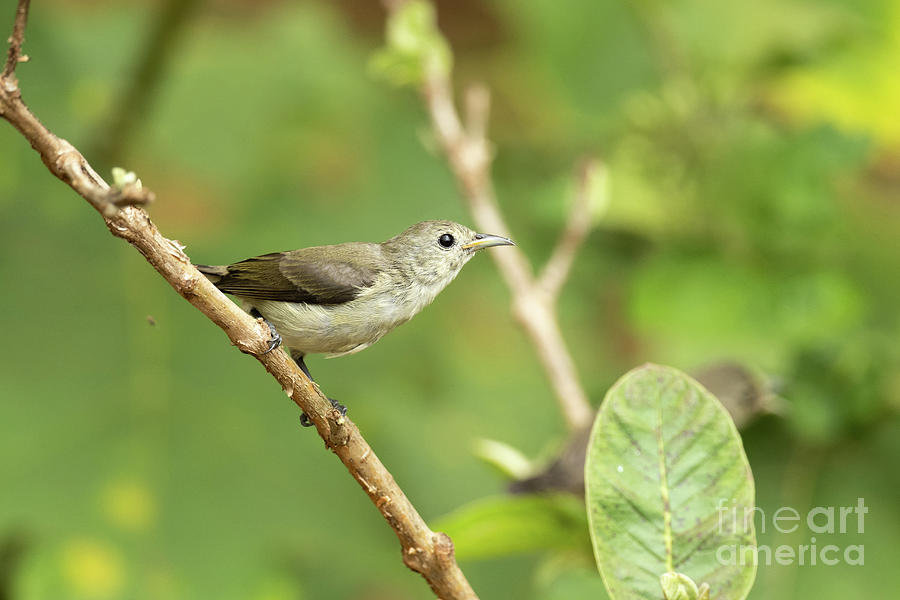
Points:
(664, 490)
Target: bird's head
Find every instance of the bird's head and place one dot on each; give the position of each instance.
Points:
(433, 252)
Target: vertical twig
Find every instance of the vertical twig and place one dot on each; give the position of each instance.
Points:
(16, 40)
(469, 154)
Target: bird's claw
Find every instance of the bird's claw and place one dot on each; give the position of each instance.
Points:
(275, 340)
(305, 421)
(338, 407)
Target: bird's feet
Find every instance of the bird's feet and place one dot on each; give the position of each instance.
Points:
(304, 418)
(275, 339)
(338, 407)
(305, 421)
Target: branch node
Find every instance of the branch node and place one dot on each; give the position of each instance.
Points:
(443, 547)
(339, 434)
(129, 196)
(127, 190)
(189, 282)
(177, 251)
(66, 154)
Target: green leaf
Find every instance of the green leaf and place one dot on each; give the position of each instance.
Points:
(415, 47)
(507, 525)
(668, 487)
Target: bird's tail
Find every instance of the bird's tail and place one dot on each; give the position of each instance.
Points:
(213, 273)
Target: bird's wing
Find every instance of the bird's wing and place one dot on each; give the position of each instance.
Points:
(310, 275)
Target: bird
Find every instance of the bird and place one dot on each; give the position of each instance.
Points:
(340, 299)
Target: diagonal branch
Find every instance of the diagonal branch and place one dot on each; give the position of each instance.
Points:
(424, 551)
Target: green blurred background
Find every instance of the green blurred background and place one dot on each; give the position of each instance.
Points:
(754, 158)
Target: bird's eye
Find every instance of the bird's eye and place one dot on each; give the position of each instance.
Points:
(446, 240)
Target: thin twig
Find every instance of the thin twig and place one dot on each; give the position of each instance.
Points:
(424, 551)
(17, 39)
(469, 154)
(578, 226)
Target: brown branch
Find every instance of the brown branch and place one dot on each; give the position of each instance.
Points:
(469, 154)
(424, 551)
(16, 40)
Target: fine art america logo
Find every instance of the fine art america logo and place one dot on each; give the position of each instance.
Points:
(821, 520)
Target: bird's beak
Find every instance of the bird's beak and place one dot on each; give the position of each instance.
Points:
(486, 240)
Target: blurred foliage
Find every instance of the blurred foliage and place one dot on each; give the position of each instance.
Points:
(414, 46)
(754, 173)
(505, 525)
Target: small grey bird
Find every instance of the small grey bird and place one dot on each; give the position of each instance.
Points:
(341, 299)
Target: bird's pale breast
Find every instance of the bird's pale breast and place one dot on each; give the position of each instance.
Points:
(349, 327)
